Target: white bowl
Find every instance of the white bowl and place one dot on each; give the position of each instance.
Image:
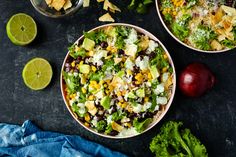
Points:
(181, 42)
(157, 117)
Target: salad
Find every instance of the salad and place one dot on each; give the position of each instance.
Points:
(117, 80)
(207, 25)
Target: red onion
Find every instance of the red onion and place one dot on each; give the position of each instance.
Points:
(196, 79)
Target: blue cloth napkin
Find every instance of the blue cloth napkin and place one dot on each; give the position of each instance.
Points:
(28, 140)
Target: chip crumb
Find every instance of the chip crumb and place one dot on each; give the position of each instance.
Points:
(86, 3)
(106, 18)
(58, 4)
(67, 5)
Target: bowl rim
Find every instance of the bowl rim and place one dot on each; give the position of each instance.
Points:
(178, 40)
(80, 3)
(167, 106)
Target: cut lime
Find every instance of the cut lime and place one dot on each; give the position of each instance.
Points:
(21, 29)
(37, 73)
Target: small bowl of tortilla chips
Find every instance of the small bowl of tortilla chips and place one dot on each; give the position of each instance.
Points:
(57, 8)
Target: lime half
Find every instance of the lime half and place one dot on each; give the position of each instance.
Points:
(21, 29)
(37, 74)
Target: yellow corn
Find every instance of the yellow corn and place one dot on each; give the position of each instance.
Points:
(114, 50)
(94, 68)
(87, 117)
(90, 53)
(127, 124)
(109, 48)
(97, 86)
(81, 62)
(83, 90)
(165, 56)
(105, 85)
(123, 92)
(124, 105)
(149, 76)
(77, 66)
(139, 77)
(86, 124)
(91, 97)
(164, 69)
(119, 104)
(93, 82)
(122, 100)
(146, 99)
(129, 72)
(73, 64)
(119, 93)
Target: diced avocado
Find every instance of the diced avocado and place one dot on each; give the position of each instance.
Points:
(154, 72)
(140, 93)
(120, 74)
(84, 68)
(105, 102)
(88, 44)
(131, 95)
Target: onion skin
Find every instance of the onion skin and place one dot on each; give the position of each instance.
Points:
(196, 79)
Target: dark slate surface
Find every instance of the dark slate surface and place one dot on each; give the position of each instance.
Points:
(212, 117)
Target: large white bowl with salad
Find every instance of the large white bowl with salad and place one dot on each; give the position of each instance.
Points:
(202, 25)
(118, 80)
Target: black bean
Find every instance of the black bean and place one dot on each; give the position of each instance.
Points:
(121, 52)
(113, 133)
(99, 118)
(104, 44)
(113, 110)
(152, 55)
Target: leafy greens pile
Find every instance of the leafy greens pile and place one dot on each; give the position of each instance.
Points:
(173, 141)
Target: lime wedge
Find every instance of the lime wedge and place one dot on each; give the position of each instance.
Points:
(21, 29)
(37, 74)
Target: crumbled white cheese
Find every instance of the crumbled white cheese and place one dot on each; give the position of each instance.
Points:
(161, 100)
(94, 121)
(128, 132)
(142, 64)
(131, 50)
(151, 46)
(146, 106)
(133, 37)
(137, 108)
(109, 119)
(165, 77)
(159, 89)
(98, 56)
(129, 64)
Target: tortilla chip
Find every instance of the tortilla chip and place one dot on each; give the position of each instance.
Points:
(100, 1)
(108, 5)
(216, 45)
(58, 4)
(229, 10)
(106, 18)
(86, 3)
(67, 5)
(48, 2)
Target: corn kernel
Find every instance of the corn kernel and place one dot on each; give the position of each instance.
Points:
(91, 97)
(127, 125)
(146, 99)
(114, 50)
(77, 66)
(129, 72)
(119, 93)
(124, 105)
(81, 62)
(94, 68)
(123, 92)
(73, 64)
(90, 53)
(105, 85)
(83, 90)
(87, 117)
(119, 103)
(97, 86)
(86, 124)
(109, 48)
(149, 76)
(122, 100)
(165, 56)
(164, 69)
(93, 82)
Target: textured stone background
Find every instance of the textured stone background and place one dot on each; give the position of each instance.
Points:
(212, 117)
